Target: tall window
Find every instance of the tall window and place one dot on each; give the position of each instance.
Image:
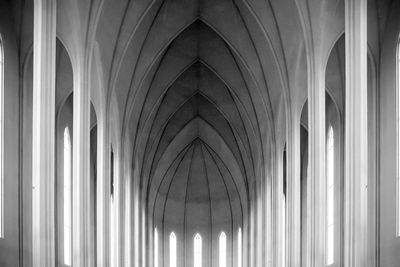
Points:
(330, 196)
(239, 248)
(1, 140)
(155, 247)
(283, 255)
(172, 250)
(197, 251)
(67, 197)
(398, 136)
(222, 250)
(112, 213)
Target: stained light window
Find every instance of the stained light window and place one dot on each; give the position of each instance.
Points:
(222, 250)
(239, 248)
(67, 197)
(197, 251)
(330, 197)
(155, 247)
(172, 250)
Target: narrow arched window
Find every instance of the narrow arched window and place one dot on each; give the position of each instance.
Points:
(197, 251)
(1, 139)
(172, 250)
(113, 217)
(283, 250)
(155, 247)
(222, 250)
(330, 163)
(239, 248)
(67, 197)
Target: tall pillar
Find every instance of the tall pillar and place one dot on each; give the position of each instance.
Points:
(43, 135)
(127, 222)
(136, 228)
(293, 193)
(103, 195)
(268, 216)
(316, 197)
(356, 134)
(81, 172)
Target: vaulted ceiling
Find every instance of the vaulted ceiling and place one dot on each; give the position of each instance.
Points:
(198, 75)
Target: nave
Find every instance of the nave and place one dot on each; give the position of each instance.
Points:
(195, 133)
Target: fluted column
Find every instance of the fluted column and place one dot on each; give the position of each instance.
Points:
(103, 196)
(293, 194)
(43, 135)
(356, 135)
(127, 223)
(268, 217)
(316, 197)
(81, 175)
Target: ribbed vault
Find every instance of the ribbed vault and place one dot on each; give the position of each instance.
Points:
(197, 85)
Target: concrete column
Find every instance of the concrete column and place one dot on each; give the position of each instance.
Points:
(118, 198)
(268, 216)
(127, 223)
(293, 193)
(103, 195)
(316, 197)
(136, 239)
(356, 135)
(43, 135)
(280, 210)
(81, 172)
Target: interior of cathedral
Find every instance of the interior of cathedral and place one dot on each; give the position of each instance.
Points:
(199, 133)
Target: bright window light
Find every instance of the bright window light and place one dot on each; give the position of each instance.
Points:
(239, 252)
(197, 251)
(155, 247)
(172, 250)
(67, 197)
(330, 197)
(222, 250)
